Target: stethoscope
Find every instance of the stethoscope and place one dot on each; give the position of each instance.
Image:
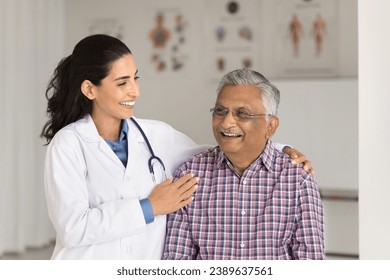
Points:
(153, 156)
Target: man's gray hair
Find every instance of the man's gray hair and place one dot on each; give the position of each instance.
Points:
(269, 93)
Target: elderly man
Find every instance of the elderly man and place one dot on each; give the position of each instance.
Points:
(251, 202)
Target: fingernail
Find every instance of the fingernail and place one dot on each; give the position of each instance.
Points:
(196, 187)
(293, 162)
(197, 179)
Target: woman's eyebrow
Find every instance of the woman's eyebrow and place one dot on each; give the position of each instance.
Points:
(122, 78)
(126, 77)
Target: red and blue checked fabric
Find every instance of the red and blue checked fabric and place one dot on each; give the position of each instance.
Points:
(272, 212)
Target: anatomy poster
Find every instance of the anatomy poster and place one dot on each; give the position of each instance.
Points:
(167, 36)
(307, 38)
(231, 35)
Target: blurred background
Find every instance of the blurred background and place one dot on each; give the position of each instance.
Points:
(308, 49)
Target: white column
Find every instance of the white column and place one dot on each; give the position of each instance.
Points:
(374, 126)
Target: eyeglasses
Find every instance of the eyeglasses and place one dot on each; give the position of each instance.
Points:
(238, 114)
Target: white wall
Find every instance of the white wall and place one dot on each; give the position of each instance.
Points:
(320, 117)
(374, 136)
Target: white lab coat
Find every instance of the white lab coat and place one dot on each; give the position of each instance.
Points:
(93, 200)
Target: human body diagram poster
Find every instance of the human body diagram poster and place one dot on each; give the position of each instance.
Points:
(168, 39)
(289, 38)
(306, 38)
(231, 35)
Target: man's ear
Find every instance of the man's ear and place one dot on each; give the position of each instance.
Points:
(272, 126)
(86, 89)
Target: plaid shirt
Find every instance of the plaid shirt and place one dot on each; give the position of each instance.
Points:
(273, 211)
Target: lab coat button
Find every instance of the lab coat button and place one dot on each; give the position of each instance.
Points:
(127, 178)
(129, 249)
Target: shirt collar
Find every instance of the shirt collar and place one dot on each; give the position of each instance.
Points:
(87, 130)
(122, 134)
(219, 157)
(266, 158)
(268, 155)
(124, 130)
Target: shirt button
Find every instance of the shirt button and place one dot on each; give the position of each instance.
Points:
(242, 245)
(244, 182)
(243, 212)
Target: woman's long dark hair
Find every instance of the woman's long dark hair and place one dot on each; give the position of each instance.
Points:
(91, 60)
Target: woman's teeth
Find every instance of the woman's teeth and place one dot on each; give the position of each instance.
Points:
(127, 103)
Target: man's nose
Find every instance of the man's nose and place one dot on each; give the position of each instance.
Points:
(228, 120)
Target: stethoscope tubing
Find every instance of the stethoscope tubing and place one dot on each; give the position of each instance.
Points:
(153, 156)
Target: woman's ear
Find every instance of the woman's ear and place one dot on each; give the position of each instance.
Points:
(86, 89)
(272, 126)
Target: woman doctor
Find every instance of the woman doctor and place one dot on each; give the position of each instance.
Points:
(108, 174)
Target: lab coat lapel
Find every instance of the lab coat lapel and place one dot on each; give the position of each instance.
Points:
(88, 132)
(110, 153)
